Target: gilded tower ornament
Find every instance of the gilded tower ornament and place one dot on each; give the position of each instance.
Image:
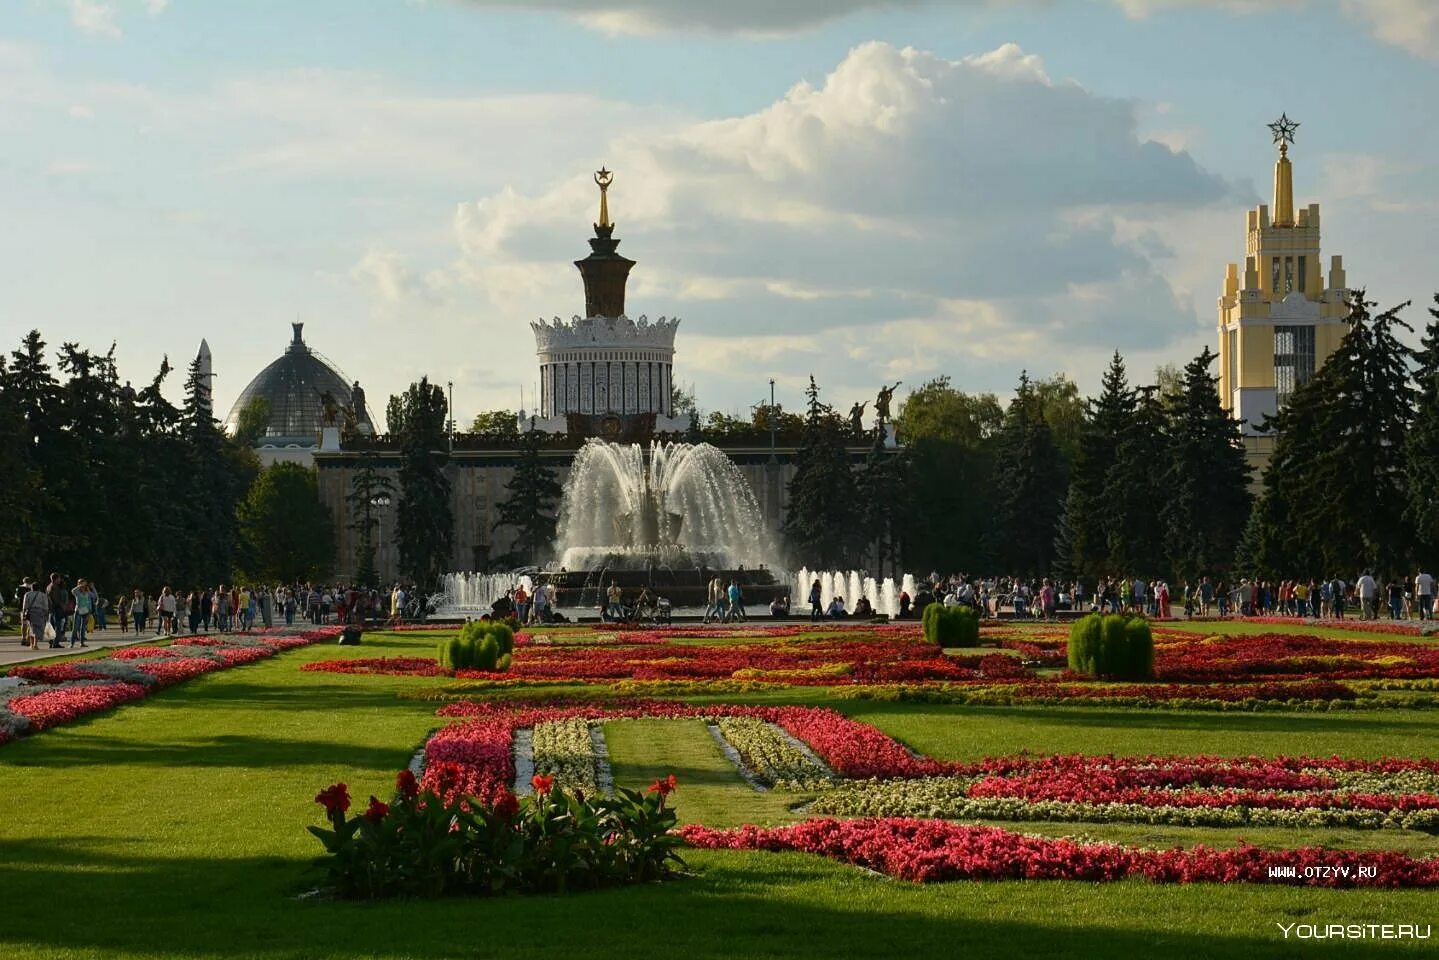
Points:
(603, 178)
(1283, 130)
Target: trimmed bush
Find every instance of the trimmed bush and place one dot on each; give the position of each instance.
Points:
(1112, 647)
(951, 626)
(481, 645)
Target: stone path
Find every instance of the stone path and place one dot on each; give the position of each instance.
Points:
(11, 653)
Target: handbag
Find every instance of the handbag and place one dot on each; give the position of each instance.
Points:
(50, 633)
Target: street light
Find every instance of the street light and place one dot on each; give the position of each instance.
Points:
(380, 501)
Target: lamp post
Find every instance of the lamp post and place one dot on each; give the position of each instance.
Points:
(379, 502)
(450, 414)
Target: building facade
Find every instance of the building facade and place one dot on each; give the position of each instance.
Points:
(1285, 314)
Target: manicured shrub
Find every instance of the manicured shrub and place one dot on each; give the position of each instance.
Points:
(1112, 647)
(481, 645)
(951, 626)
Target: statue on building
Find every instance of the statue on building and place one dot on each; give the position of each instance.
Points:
(881, 404)
(856, 419)
(330, 407)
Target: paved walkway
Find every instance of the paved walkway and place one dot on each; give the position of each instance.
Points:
(12, 653)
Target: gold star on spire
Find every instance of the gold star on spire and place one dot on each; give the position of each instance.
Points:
(1283, 130)
(602, 180)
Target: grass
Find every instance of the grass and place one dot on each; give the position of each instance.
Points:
(176, 828)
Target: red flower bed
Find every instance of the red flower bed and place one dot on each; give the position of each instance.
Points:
(88, 688)
(391, 666)
(63, 704)
(474, 757)
(931, 851)
(1192, 659)
(1285, 783)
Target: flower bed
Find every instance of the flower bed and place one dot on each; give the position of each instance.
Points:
(564, 750)
(772, 755)
(57, 693)
(1190, 791)
(475, 757)
(930, 851)
(389, 666)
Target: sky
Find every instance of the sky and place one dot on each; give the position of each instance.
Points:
(862, 190)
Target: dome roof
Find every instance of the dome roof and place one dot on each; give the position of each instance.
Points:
(295, 387)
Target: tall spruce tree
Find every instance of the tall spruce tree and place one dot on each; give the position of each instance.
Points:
(1086, 514)
(1206, 488)
(820, 521)
(1422, 446)
(286, 534)
(1134, 491)
(366, 486)
(881, 488)
(426, 521)
(1336, 492)
(1029, 487)
(532, 504)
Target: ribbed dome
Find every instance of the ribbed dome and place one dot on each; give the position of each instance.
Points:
(295, 386)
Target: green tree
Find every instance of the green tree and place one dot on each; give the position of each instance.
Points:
(285, 531)
(882, 497)
(426, 522)
(1422, 445)
(1029, 486)
(949, 441)
(1134, 491)
(1064, 410)
(1336, 491)
(1086, 512)
(499, 423)
(253, 421)
(532, 504)
(206, 484)
(819, 524)
(366, 486)
(1207, 500)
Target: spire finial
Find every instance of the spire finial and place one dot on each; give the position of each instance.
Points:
(1283, 130)
(602, 180)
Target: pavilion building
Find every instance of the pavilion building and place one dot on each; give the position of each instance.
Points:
(1282, 317)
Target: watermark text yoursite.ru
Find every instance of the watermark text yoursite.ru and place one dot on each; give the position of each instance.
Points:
(1355, 931)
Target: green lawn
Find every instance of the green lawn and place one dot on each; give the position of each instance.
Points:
(176, 828)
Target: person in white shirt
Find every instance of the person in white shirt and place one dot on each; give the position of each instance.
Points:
(1368, 591)
(1424, 592)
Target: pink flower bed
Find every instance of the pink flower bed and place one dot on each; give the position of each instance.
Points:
(63, 704)
(930, 851)
(61, 692)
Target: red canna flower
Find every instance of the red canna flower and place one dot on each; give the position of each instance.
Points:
(406, 785)
(542, 783)
(664, 786)
(334, 798)
(377, 810)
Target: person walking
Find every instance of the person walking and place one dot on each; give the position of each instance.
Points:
(736, 602)
(816, 603)
(35, 614)
(167, 611)
(139, 609)
(84, 606)
(61, 603)
(1368, 591)
(1424, 592)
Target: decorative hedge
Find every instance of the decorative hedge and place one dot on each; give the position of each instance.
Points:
(481, 645)
(951, 626)
(1112, 647)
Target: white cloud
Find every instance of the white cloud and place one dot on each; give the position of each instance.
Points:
(94, 17)
(905, 214)
(156, 7)
(1410, 24)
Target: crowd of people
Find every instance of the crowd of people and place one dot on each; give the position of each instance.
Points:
(56, 613)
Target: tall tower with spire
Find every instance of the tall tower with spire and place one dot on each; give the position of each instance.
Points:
(1281, 318)
(603, 374)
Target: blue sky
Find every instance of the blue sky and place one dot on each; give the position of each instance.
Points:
(859, 190)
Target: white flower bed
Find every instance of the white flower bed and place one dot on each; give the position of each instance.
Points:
(564, 750)
(773, 756)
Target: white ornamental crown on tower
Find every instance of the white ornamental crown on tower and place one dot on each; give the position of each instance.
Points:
(619, 331)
